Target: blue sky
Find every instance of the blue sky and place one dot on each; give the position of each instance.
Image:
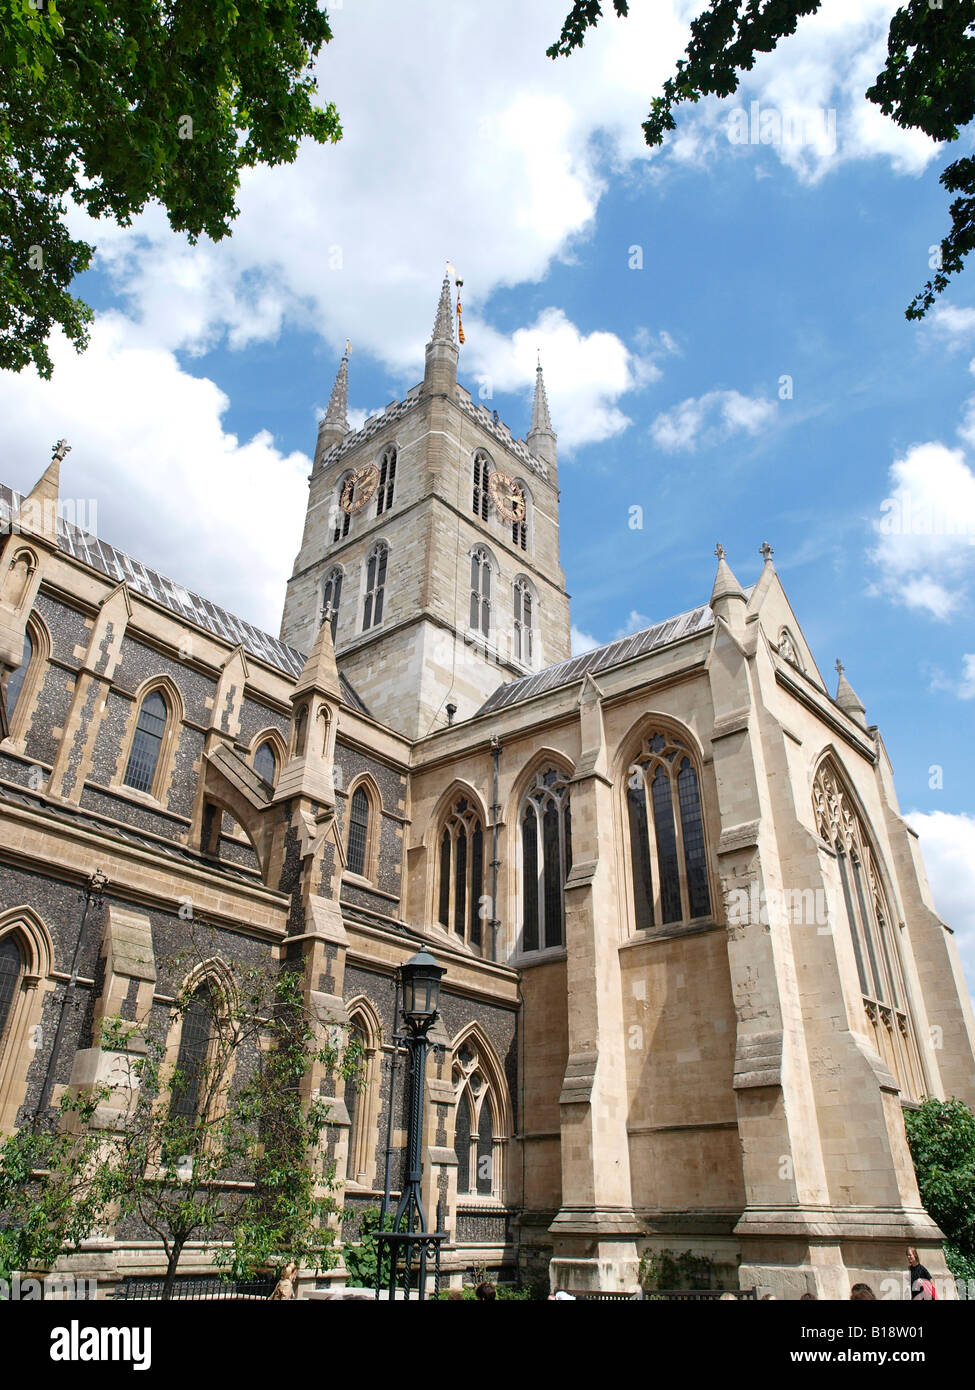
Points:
(192, 416)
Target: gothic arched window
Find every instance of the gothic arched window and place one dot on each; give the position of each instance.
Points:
(546, 853)
(481, 591)
(195, 1039)
(668, 856)
(265, 763)
(482, 471)
(150, 730)
(524, 637)
(882, 981)
(477, 1138)
(362, 1097)
(358, 841)
(387, 481)
(343, 519)
(16, 678)
(332, 597)
(462, 872)
(519, 529)
(11, 969)
(376, 562)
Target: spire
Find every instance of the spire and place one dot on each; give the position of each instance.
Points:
(541, 438)
(336, 416)
(541, 420)
(39, 509)
(443, 324)
(320, 672)
(440, 374)
(334, 424)
(848, 699)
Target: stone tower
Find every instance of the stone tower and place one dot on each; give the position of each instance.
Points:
(433, 535)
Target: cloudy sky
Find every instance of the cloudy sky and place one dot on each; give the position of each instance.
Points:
(721, 325)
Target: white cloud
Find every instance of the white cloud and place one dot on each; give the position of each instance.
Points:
(171, 487)
(582, 641)
(463, 139)
(584, 374)
(636, 622)
(709, 419)
(952, 323)
(966, 687)
(948, 846)
(925, 548)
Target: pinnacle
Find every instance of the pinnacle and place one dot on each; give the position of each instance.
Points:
(336, 417)
(443, 325)
(541, 420)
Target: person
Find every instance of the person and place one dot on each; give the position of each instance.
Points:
(725, 1296)
(455, 1296)
(808, 1297)
(285, 1287)
(919, 1278)
(861, 1293)
(486, 1292)
(561, 1296)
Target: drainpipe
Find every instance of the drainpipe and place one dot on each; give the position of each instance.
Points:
(93, 893)
(495, 861)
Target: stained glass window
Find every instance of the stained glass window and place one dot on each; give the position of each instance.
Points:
(462, 872)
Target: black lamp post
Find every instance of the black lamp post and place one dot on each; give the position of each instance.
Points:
(419, 980)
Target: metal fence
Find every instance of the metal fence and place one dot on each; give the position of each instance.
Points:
(191, 1286)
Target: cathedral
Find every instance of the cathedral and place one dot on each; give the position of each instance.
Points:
(694, 975)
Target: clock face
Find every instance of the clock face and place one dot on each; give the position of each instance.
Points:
(507, 496)
(359, 488)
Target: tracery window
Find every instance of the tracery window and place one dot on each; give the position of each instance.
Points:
(482, 472)
(870, 922)
(668, 856)
(546, 855)
(387, 481)
(477, 1137)
(480, 617)
(265, 763)
(462, 872)
(196, 1035)
(372, 613)
(524, 637)
(150, 730)
(332, 597)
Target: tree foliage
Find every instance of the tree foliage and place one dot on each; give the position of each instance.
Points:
(941, 1135)
(928, 84)
(112, 106)
(52, 1192)
(240, 1168)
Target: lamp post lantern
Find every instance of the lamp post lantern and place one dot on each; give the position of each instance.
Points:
(419, 981)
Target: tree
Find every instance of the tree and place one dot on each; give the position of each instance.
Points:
(202, 1153)
(112, 106)
(52, 1193)
(927, 84)
(941, 1135)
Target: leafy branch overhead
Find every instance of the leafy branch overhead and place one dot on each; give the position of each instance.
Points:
(113, 106)
(928, 84)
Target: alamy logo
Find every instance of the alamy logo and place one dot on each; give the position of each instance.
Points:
(77, 1343)
(753, 906)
